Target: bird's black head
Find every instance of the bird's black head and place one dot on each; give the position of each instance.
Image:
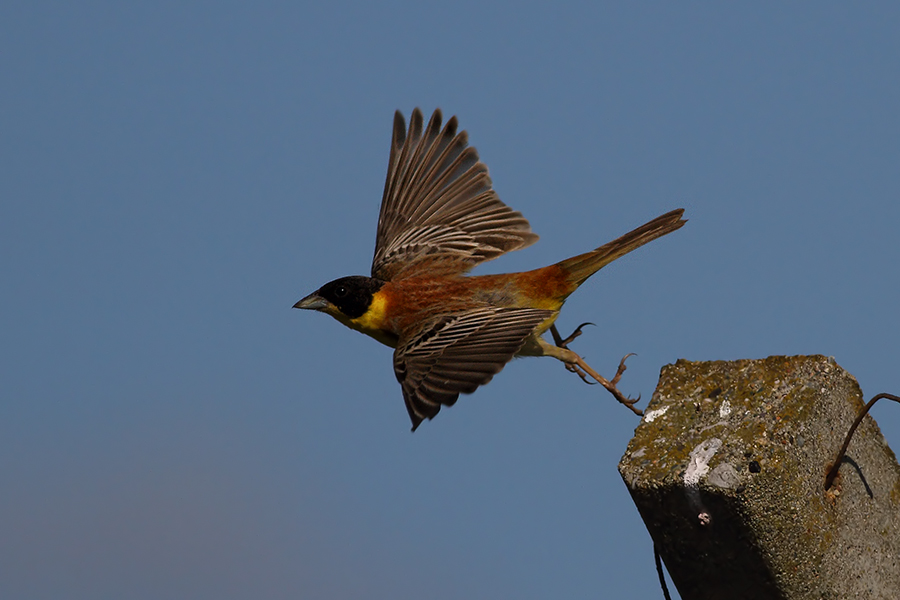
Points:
(351, 296)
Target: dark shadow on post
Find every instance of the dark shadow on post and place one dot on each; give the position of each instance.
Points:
(846, 459)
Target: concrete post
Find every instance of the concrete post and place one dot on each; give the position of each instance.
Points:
(727, 469)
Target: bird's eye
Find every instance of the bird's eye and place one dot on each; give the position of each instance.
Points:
(340, 292)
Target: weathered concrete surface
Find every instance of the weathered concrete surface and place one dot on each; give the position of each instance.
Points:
(727, 469)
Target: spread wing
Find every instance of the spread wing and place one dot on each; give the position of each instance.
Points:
(456, 353)
(439, 210)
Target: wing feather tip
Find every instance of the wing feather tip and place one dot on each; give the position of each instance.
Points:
(399, 129)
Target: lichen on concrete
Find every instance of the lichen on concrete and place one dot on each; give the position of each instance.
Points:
(727, 469)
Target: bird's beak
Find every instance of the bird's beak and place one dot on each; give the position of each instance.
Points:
(312, 302)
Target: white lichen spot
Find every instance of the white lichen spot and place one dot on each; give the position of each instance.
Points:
(652, 415)
(724, 409)
(700, 457)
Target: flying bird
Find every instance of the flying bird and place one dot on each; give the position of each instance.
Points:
(451, 333)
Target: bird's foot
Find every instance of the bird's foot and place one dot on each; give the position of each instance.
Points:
(564, 343)
(629, 402)
(576, 364)
(611, 385)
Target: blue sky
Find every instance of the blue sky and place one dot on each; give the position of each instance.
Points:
(177, 175)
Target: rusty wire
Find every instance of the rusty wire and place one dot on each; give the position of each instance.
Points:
(836, 465)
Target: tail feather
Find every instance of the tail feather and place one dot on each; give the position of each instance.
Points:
(584, 265)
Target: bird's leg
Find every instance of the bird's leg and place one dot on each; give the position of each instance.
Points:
(564, 344)
(576, 364)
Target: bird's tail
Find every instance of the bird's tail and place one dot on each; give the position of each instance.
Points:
(580, 267)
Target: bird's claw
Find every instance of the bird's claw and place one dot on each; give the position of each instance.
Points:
(564, 343)
(621, 369)
(622, 398)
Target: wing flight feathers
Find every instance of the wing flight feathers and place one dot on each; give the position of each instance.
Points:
(455, 354)
(439, 211)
